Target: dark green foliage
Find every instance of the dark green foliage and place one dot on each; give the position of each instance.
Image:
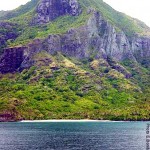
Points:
(40, 94)
(78, 92)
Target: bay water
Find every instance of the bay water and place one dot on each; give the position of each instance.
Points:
(73, 136)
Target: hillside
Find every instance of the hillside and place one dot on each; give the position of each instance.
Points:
(73, 59)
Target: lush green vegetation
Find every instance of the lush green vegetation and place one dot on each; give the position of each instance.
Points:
(58, 26)
(129, 25)
(71, 88)
(63, 89)
(24, 14)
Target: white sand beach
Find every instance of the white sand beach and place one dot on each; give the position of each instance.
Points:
(64, 120)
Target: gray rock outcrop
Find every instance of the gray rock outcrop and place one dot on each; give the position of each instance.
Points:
(48, 10)
(97, 39)
(11, 59)
(140, 46)
(8, 31)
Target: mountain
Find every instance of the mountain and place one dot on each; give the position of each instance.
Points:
(73, 59)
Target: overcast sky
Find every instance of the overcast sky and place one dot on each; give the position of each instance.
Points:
(11, 4)
(136, 8)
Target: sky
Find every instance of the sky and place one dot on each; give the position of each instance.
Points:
(11, 4)
(139, 9)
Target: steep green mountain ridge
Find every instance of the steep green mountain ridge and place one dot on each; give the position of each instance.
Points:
(81, 60)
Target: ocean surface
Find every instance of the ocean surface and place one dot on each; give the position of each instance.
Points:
(73, 136)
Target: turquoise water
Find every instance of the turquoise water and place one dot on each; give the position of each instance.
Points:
(73, 136)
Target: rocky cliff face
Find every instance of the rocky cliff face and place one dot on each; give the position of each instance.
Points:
(11, 59)
(8, 31)
(100, 39)
(140, 47)
(97, 39)
(48, 10)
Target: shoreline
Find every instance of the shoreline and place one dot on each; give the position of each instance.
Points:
(66, 120)
(71, 120)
